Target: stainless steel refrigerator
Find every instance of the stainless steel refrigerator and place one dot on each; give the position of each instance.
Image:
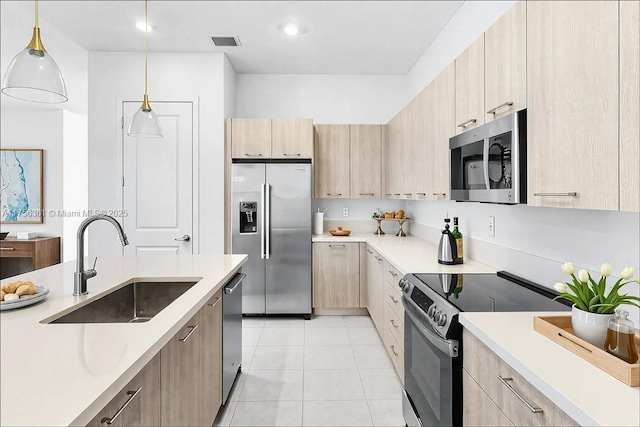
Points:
(271, 222)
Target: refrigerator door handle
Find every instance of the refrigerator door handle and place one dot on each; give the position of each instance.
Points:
(262, 221)
(267, 216)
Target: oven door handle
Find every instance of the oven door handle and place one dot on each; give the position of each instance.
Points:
(449, 347)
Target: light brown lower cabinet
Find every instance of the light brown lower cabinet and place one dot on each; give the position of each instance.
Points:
(181, 385)
(138, 403)
(479, 409)
(336, 275)
(191, 369)
(517, 399)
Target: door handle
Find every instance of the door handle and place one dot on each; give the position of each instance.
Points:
(237, 279)
(499, 107)
(505, 381)
(192, 330)
(184, 238)
(267, 226)
(262, 220)
(467, 123)
(132, 395)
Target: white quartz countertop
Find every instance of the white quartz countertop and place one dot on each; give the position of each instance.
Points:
(64, 374)
(408, 254)
(589, 395)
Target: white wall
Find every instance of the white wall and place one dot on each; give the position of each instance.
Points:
(172, 77)
(230, 78)
(470, 21)
(334, 99)
(75, 177)
(38, 129)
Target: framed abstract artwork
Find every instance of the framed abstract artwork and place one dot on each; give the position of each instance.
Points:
(21, 194)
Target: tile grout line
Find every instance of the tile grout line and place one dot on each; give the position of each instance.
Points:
(364, 392)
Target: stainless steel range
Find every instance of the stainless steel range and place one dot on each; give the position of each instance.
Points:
(433, 335)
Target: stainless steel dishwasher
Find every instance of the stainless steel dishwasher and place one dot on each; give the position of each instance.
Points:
(231, 333)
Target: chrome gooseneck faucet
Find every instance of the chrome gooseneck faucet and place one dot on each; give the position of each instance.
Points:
(81, 275)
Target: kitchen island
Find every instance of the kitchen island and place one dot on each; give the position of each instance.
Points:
(584, 392)
(64, 374)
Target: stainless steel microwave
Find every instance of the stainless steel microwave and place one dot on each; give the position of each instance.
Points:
(489, 163)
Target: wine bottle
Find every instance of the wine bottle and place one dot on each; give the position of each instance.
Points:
(458, 236)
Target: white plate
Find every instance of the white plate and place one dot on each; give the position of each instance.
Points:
(26, 300)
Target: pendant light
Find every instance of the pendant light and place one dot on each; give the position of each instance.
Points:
(145, 122)
(33, 74)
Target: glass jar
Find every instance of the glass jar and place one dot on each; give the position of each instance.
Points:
(620, 339)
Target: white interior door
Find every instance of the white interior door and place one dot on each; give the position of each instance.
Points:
(158, 183)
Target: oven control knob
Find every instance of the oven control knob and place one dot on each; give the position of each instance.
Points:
(432, 311)
(442, 319)
(404, 284)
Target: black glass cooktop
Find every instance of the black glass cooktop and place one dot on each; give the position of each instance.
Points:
(489, 292)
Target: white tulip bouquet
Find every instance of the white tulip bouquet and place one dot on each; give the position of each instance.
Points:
(590, 296)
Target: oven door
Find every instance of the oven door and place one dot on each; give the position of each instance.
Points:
(429, 372)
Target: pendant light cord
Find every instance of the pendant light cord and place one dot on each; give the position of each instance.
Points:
(36, 13)
(146, 32)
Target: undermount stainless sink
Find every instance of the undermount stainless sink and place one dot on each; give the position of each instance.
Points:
(135, 302)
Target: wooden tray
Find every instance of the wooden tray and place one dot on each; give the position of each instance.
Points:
(559, 330)
(340, 232)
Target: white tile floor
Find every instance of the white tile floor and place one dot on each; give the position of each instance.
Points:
(327, 371)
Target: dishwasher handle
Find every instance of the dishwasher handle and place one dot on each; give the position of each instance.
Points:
(234, 283)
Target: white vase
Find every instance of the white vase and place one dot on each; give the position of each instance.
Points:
(591, 327)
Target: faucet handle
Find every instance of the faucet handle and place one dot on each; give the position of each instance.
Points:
(95, 261)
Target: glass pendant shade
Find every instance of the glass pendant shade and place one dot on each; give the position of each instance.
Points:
(34, 76)
(145, 124)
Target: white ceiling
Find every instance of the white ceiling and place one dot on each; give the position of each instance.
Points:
(339, 37)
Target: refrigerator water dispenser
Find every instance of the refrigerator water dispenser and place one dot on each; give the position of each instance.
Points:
(248, 217)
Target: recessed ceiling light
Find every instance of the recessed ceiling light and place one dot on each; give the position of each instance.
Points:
(291, 29)
(144, 27)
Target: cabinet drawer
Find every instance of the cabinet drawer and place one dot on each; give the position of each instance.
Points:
(139, 409)
(479, 409)
(336, 275)
(394, 324)
(394, 299)
(392, 276)
(13, 249)
(395, 353)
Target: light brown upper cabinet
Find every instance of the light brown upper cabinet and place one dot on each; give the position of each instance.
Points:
(250, 138)
(470, 110)
(412, 141)
(271, 138)
(393, 157)
(505, 64)
(441, 126)
(366, 161)
(572, 104)
(629, 106)
(420, 155)
(332, 161)
(291, 138)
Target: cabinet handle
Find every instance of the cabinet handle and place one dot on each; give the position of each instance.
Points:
(393, 349)
(569, 194)
(214, 303)
(388, 194)
(370, 251)
(253, 155)
(289, 154)
(132, 394)
(393, 323)
(421, 194)
(193, 328)
(378, 258)
(394, 274)
(7, 249)
(439, 194)
(500, 107)
(396, 194)
(334, 194)
(337, 246)
(366, 194)
(467, 123)
(408, 194)
(533, 409)
(395, 301)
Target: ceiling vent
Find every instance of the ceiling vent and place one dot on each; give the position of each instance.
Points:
(226, 41)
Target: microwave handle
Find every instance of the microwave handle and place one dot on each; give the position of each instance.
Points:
(485, 163)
